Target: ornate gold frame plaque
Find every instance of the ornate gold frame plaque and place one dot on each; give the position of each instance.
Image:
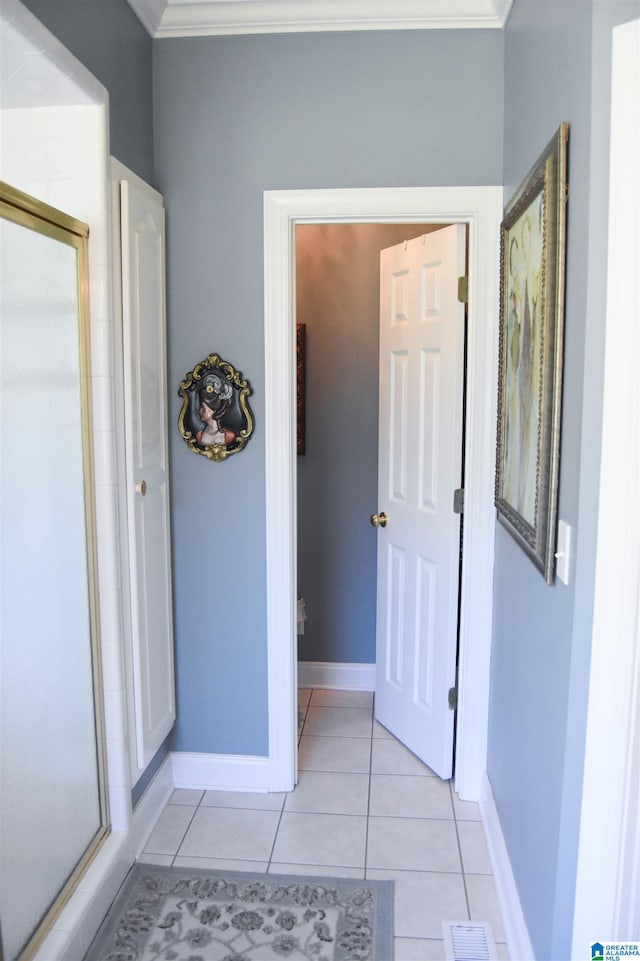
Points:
(215, 420)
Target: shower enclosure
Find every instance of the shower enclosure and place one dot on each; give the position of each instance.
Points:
(53, 812)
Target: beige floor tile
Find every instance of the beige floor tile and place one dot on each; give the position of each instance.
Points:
(338, 721)
(465, 810)
(183, 795)
(412, 835)
(321, 839)
(166, 860)
(483, 902)
(221, 864)
(392, 757)
(348, 754)
(169, 830)
(405, 795)
(231, 834)
(422, 899)
(244, 799)
(316, 870)
(418, 949)
(380, 731)
(324, 792)
(412, 844)
(362, 699)
(475, 856)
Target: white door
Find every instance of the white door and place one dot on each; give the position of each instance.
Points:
(420, 466)
(147, 477)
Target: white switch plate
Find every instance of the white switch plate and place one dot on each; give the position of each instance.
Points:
(563, 554)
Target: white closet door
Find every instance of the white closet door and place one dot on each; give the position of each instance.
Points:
(147, 469)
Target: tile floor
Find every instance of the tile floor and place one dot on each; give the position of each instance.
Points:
(364, 807)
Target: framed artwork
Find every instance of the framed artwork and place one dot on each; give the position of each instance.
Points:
(301, 337)
(215, 419)
(532, 265)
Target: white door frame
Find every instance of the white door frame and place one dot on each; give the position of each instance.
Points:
(607, 884)
(481, 209)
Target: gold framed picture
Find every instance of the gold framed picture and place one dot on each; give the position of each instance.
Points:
(532, 265)
(301, 350)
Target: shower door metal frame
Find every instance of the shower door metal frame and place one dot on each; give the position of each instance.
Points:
(33, 214)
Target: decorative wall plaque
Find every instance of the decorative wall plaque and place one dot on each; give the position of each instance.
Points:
(215, 420)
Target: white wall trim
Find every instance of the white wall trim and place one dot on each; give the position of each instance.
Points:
(516, 931)
(606, 904)
(481, 209)
(151, 805)
(337, 677)
(220, 772)
(206, 18)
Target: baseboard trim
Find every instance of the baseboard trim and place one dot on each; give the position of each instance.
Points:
(338, 677)
(150, 806)
(516, 931)
(220, 772)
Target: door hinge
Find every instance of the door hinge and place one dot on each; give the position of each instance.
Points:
(458, 501)
(463, 290)
(453, 698)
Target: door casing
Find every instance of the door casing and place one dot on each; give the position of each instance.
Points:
(481, 209)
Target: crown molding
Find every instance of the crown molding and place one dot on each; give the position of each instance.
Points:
(211, 18)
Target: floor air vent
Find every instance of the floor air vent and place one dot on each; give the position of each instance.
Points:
(468, 941)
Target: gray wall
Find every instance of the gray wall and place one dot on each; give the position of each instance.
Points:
(234, 117)
(338, 299)
(556, 69)
(107, 37)
(547, 80)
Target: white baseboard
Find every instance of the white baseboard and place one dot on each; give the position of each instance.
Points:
(337, 677)
(150, 806)
(220, 772)
(516, 931)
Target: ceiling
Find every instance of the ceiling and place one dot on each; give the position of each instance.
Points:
(209, 18)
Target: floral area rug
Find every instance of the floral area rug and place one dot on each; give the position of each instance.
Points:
(187, 914)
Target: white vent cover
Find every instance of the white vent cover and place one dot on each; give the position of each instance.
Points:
(469, 941)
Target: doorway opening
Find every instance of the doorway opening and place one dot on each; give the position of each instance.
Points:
(342, 558)
(481, 209)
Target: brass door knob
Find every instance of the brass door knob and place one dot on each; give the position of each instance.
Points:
(379, 520)
(141, 488)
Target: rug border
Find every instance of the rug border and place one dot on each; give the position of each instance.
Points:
(384, 888)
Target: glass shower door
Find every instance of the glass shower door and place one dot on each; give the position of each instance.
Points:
(52, 793)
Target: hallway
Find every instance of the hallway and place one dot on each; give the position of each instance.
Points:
(364, 807)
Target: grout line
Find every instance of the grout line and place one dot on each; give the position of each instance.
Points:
(464, 877)
(412, 817)
(366, 837)
(304, 721)
(184, 834)
(275, 838)
(366, 840)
